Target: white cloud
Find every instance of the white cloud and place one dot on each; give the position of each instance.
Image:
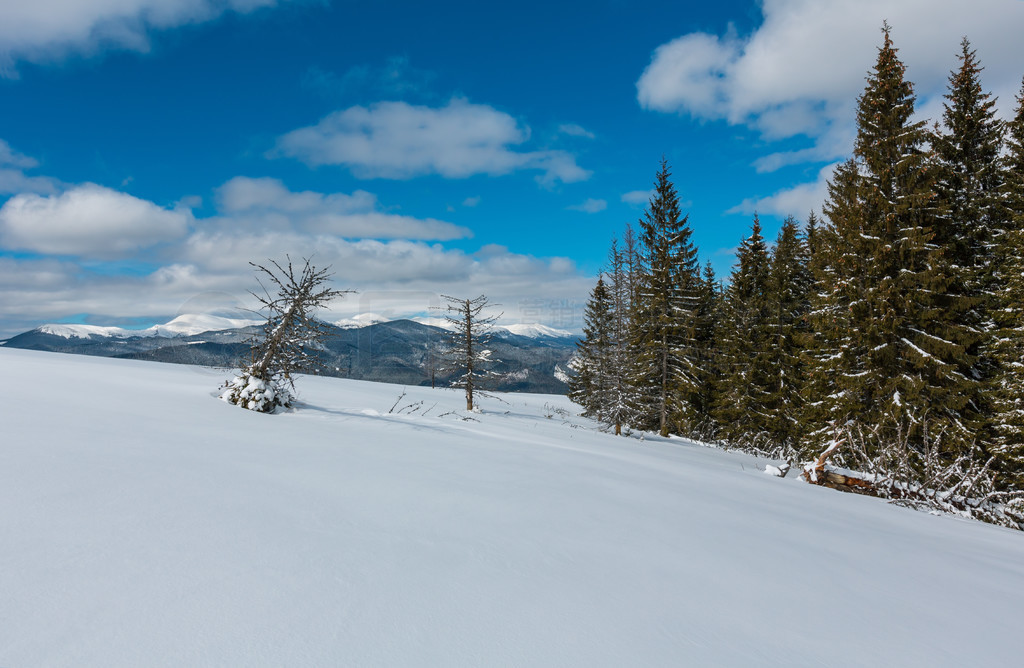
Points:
(257, 219)
(88, 221)
(796, 201)
(242, 194)
(16, 181)
(11, 158)
(801, 71)
(408, 275)
(471, 201)
(574, 130)
(12, 173)
(397, 140)
(591, 206)
(637, 197)
(46, 30)
(267, 204)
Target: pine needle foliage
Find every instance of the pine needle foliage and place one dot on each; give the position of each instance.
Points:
(1007, 347)
(788, 293)
(899, 313)
(666, 299)
(744, 397)
(592, 386)
(894, 347)
(969, 222)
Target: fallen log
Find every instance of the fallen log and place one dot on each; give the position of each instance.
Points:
(819, 473)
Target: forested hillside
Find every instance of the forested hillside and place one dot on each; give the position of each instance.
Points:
(889, 331)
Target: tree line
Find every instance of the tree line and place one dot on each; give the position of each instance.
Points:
(897, 318)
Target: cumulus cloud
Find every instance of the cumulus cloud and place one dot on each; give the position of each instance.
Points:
(590, 206)
(13, 178)
(88, 221)
(574, 130)
(637, 197)
(16, 181)
(800, 72)
(253, 194)
(396, 140)
(267, 204)
(11, 158)
(405, 276)
(45, 30)
(795, 201)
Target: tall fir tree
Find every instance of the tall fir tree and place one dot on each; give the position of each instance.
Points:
(788, 295)
(592, 386)
(666, 299)
(701, 394)
(604, 362)
(618, 413)
(969, 221)
(900, 369)
(1007, 350)
(744, 394)
(835, 358)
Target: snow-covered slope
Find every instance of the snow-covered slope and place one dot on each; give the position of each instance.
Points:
(187, 324)
(192, 324)
(87, 331)
(145, 523)
(529, 330)
(535, 330)
(361, 320)
(441, 322)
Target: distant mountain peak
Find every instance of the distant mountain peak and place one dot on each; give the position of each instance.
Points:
(361, 320)
(188, 324)
(536, 330)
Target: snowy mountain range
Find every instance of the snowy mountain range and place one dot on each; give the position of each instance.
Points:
(533, 358)
(530, 330)
(190, 324)
(184, 325)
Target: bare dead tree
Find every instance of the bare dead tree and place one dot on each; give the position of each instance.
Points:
(288, 340)
(467, 355)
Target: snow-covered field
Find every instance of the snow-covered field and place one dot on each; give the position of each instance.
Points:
(145, 523)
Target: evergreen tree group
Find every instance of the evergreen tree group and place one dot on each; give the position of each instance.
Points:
(899, 314)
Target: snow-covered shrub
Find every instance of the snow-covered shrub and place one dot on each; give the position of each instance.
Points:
(256, 394)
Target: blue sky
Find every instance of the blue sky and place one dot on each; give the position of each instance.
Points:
(149, 149)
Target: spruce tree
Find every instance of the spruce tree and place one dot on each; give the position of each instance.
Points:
(1007, 350)
(835, 358)
(592, 385)
(788, 294)
(701, 396)
(745, 389)
(604, 363)
(969, 219)
(900, 368)
(820, 239)
(666, 299)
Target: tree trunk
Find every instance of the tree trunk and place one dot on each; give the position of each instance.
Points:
(664, 384)
(469, 356)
